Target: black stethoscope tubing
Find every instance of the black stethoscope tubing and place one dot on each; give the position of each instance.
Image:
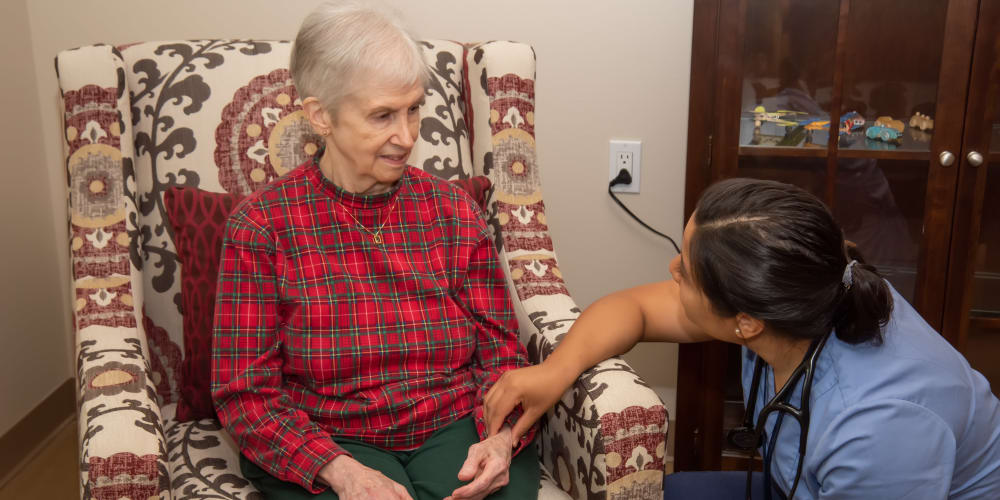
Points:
(750, 436)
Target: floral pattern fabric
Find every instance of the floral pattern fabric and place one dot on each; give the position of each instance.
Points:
(223, 116)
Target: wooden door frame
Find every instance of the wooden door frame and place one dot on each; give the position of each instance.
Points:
(980, 109)
(939, 208)
(699, 391)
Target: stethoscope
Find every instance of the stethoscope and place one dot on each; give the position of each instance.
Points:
(749, 437)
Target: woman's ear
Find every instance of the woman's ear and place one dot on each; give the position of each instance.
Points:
(318, 117)
(748, 327)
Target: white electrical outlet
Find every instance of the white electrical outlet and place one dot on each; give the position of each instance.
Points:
(625, 155)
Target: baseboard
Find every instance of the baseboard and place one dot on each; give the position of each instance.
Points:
(24, 440)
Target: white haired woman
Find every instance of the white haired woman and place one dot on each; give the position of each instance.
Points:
(361, 311)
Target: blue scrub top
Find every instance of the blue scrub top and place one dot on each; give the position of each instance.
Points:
(906, 419)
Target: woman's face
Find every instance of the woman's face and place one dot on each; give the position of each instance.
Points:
(373, 132)
(693, 301)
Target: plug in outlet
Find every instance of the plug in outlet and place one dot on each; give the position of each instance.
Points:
(625, 155)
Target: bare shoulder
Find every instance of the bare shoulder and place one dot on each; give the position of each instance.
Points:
(665, 320)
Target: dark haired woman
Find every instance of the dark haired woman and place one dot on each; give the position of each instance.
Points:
(886, 407)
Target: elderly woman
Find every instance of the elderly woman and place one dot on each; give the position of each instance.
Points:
(362, 314)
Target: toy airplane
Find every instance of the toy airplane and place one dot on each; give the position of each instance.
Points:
(760, 115)
(849, 122)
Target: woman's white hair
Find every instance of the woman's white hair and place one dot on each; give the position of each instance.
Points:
(343, 43)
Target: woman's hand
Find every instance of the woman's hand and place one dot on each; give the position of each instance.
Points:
(487, 466)
(353, 481)
(535, 388)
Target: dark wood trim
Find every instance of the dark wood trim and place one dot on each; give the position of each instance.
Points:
(22, 440)
(687, 430)
(728, 95)
(840, 56)
(985, 323)
(700, 157)
(885, 155)
(782, 151)
(994, 157)
(701, 104)
(953, 79)
(700, 395)
(739, 462)
(982, 105)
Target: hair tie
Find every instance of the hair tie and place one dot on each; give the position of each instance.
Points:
(848, 278)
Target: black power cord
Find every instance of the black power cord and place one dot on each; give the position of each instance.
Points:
(624, 177)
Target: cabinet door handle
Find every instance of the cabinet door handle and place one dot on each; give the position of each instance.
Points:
(975, 159)
(946, 158)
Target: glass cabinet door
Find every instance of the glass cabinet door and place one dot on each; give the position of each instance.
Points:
(854, 100)
(972, 317)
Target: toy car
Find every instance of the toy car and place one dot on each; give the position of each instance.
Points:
(887, 121)
(877, 145)
(922, 122)
(850, 122)
(881, 133)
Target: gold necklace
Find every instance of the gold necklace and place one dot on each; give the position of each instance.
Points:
(377, 234)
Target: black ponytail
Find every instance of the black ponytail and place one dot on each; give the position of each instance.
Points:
(773, 251)
(866, 303)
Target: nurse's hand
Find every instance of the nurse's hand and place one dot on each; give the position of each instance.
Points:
(487, 466)
(351, 480)
(536, 388)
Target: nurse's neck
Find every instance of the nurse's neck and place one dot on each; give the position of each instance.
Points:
(782, 353)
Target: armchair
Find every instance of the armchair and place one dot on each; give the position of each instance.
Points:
(223, 116)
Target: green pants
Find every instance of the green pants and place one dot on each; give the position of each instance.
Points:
(428, 473)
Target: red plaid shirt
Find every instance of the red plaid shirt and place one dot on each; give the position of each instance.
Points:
(321, 333)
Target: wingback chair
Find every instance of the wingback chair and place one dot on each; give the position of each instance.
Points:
(223, 116)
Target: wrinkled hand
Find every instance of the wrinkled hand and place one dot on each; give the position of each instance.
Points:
(487, 466)
(353, 481)
(535, 388)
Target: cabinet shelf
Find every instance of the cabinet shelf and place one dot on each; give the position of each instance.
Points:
(884, 155)
(793, 152)
(790, 152)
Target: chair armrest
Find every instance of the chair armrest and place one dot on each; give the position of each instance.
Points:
(596, 445)
(606, 437)
(122, 448)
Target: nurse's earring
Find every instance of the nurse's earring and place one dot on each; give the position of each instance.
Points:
(739, 333)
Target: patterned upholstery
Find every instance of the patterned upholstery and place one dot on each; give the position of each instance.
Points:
(222, 115)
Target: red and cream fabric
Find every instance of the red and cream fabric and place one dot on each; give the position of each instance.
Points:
(223, 116)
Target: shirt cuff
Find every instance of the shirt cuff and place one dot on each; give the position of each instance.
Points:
(528, 437)
(305, 463)
(512, 417)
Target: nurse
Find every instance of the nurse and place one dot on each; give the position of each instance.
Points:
(831, 352)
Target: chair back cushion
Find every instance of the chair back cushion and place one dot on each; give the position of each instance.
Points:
(224, 116)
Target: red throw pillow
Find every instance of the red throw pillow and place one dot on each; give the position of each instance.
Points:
(198, 219)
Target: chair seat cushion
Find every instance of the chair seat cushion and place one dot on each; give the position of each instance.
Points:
(198, 220)
(204, 463)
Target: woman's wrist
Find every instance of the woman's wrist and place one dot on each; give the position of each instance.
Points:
(337, 471)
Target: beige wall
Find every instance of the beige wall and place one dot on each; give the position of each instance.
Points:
(605, 70)
(34, 321)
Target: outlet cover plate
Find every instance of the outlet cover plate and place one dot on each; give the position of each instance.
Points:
(625, 146)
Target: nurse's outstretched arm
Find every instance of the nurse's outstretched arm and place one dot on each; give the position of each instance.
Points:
(609, 327)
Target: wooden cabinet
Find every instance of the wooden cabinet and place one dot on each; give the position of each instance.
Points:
(837, 96)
